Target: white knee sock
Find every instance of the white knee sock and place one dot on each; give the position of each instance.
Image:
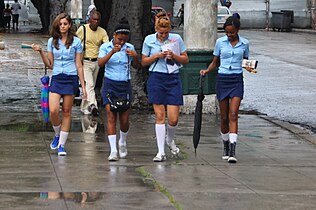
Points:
(160, 134)
(123, 136)
(63, 137)
(171, 130)
(225, 136)
(57, 129)
(112, 141)
(233, 137)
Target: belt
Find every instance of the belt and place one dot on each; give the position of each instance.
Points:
(91, 59)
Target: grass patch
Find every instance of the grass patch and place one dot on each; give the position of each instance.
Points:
(159, 186)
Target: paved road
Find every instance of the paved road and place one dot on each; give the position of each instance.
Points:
(284, 86)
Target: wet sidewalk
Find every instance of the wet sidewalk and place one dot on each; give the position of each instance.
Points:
(275, 169)
(276, 166)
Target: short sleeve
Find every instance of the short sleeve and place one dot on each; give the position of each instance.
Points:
(102, 52)
(78, 45)
(145, 49)
(105, 38)
(50, 45)
(217, 50)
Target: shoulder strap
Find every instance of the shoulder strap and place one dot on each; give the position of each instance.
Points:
(84, 37)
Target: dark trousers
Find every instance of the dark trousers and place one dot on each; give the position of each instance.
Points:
(7, 21)
(15, 20)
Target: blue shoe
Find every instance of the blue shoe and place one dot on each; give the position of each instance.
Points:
(54, 143)
(61, 151)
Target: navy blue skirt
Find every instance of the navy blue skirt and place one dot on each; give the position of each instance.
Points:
(64, 84)
(229, 86)
(116, 89)
(164, 89)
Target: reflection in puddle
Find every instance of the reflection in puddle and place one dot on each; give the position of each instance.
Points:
(77, 197)
(89, 124)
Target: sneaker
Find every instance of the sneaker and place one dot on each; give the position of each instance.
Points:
(173, 148)
(54, 143)
(113, 156)
(93, 109)
(122, 151)
(232, 155)
(61, 150)
(160, 158)
(226, 150)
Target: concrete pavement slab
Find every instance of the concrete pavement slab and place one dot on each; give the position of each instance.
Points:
(275, 168)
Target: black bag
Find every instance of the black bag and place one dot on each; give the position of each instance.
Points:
(118, 104)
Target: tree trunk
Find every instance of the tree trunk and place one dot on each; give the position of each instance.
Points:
(42, 7)
(1, 18)
(56, 7)
(104, 7)
(138, 14)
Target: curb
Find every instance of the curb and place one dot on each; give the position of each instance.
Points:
(297, 131)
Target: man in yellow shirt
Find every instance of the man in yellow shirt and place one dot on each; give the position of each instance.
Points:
(92, 36)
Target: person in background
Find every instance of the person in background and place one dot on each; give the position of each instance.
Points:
(7, 16)
(117, 56)
(90, 9)
(16, 7)
(229, 52)
(181, 15)
(64, 51)
(164, 87)
(92, 38)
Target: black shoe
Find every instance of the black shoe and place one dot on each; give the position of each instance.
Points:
(226, 150)
(93, 109)
(232, 156)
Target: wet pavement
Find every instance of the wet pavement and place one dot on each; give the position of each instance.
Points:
(275, 169)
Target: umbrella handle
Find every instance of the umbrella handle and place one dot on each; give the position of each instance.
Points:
(201, 85)
(45, 70)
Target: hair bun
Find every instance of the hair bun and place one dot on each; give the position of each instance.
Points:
(123, 26)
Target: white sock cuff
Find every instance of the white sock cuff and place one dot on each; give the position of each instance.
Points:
(225, 136)
(172, 127)
(110, 137)
(123, 135)
(112, 142)
(63, 137)
(233, 137)
(57, 129)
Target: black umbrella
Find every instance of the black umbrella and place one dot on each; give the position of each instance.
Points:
(198, 115)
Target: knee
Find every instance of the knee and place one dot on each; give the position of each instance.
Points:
(234, 116)
(53, 112)
(160, 117)
(173, 122)
(66, 112)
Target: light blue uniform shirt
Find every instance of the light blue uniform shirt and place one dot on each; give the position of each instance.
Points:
(231, 57)
(118, 66)
(152, 46)
(65, 59)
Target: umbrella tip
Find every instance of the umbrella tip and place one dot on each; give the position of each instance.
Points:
(195, 152)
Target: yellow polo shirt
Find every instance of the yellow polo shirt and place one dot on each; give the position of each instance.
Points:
(94, 39)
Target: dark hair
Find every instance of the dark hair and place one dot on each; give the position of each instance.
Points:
(95, 12)
(236, 15)
(232, 21)
(122, 27)
(55, 32)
